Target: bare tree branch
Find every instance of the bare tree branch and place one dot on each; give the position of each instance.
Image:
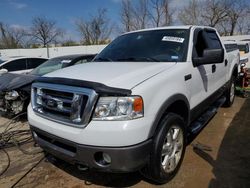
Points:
(45, 31)
(160, 13)
(11, 37)
(96, 30)
(191, 14)
(127, 15)
(141, 14)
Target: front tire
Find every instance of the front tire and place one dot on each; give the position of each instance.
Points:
(168, 149)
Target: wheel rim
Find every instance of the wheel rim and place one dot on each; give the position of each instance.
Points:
(172, 149)
(232, 92)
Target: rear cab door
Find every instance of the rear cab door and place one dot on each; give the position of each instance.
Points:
(219, 70)
(206, 78)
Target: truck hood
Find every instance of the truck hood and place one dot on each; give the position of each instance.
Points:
(114, 74)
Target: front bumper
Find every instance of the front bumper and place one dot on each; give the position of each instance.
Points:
(123, 159)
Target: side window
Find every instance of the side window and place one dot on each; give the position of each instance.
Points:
(35, 62)
(15, 65)
(205, 40)
(213, 40)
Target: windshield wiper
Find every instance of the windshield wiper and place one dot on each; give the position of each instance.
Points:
(103, 59)
(149, 59)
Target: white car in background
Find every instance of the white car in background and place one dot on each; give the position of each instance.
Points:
(244, 52)
(20, 65)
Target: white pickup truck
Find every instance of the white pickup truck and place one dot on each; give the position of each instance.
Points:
(136, 105)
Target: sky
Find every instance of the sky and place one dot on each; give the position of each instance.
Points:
(19, 13)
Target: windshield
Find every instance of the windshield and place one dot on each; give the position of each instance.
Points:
(169, 45)
(50, 66)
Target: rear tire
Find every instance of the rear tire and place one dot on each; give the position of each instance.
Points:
(168, 149)
(230, 93)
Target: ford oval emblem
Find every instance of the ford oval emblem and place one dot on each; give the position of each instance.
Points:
(51, 103)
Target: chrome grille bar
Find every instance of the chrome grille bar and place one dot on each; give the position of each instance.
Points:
(65, 104)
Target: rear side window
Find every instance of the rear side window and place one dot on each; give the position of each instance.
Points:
(15, 65)
(35, 62)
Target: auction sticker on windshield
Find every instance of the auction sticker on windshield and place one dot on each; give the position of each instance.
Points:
(173, 39)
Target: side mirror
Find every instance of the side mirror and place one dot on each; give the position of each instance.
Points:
(210, 56)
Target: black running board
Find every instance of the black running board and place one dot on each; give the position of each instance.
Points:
(196, 126)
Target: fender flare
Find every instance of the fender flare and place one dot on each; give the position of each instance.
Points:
(233, 70)
(171, 100)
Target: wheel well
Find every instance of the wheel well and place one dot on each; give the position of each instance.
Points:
(180, 108)
(177, 104)
(235, 72)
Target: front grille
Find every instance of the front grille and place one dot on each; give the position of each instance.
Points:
(66, 104)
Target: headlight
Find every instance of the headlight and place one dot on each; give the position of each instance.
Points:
(119, 108)
(11, 95)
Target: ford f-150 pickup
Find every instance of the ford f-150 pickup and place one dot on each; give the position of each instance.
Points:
(135, 106)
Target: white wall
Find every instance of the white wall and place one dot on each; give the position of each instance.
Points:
(51, 52)
(237, 37)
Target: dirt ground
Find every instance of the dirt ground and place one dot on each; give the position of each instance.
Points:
(226, 165)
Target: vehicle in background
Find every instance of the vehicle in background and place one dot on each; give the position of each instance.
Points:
(233, 52)
(244, 52)
(245, 40)
(20, 65)
(230, 45)
(15, 88)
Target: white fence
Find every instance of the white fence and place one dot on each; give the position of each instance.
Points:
(236, 38)
(51, 52)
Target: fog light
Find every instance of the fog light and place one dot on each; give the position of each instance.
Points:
(102, 159)
(106, 158)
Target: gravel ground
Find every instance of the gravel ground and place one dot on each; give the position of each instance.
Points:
(226, 165)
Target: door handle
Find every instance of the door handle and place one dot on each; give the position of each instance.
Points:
(213, 68)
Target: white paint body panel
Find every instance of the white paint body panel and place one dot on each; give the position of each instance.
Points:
(155, 82)
(115, 74)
